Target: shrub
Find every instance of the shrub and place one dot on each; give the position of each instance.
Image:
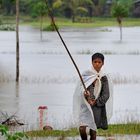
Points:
(7, 27)
(50, 28)
(11, 136)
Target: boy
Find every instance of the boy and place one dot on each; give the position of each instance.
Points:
(90, 108)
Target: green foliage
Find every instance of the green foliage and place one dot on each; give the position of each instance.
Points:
(102, 2)
(60, 7)
(0, 21)
(49, 28)
(39, 9)
(82, 11)
(120, 10)
(12, 136)
(85, 2)
(77, 7)
(101, 6)
(127, 3)
(113, 129)
(57, 4)
(83, 19)
(130, 128)
(68, 133)
(3, 130)
(9, 6)
(7, 27)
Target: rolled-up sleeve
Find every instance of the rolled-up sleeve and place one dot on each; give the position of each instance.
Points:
(104, 95)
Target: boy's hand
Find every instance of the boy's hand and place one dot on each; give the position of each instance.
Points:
(92, 102)
(86, 94)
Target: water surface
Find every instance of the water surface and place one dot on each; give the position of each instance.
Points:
(47, 76)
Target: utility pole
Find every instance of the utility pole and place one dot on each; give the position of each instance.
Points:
(17, 41)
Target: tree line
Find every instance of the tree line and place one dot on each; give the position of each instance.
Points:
(63, 8)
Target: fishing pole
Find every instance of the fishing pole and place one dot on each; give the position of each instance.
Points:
(53, 22)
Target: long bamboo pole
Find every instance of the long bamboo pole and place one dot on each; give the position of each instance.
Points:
(53, 22)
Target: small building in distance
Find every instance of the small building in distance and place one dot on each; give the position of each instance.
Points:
(107, 7)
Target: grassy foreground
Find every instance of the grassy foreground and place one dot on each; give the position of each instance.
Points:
(113, 129)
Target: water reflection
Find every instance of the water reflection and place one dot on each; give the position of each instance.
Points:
(9, 101)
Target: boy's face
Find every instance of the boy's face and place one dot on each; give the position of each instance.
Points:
(97, 64)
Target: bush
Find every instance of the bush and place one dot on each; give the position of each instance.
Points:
(16, 136)
(120, 10)
(50, 28)
(7, 27)
(84, 19)
(11, 136)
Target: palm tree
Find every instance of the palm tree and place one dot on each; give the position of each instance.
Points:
(75, 6)
(120, 11)
(17, 41)
(39, 8)
(71, 5)
(98, 6)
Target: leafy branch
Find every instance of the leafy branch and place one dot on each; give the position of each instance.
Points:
(11, 136)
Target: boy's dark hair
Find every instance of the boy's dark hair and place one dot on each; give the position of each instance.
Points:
(98, 55)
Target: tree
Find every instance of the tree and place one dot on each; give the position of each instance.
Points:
(120, 11)
(98, 7)
(9, 6)
(25, 6)
(86, 7)
(17, 41)
(40, 10)
(57, 4)
(72, 6)
(76, 6)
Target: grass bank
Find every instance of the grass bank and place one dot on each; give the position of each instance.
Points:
(63, 22)
(96, 22)
(112, 130)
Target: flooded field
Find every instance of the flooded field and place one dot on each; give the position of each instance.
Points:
(48, 78)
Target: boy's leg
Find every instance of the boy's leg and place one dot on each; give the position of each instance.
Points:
(92, 134)
(83, 134)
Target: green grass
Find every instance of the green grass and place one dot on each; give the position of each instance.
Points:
(121, 129)
(63, 22)
(55, 133)
(96, 22)
(112, 130)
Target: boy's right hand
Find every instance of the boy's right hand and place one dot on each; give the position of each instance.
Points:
(87, 94)
(92, 102)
